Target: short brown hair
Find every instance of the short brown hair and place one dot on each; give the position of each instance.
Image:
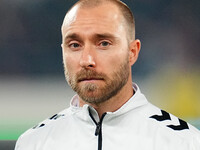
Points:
(125, 10)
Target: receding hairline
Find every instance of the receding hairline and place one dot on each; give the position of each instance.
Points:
(123, 9)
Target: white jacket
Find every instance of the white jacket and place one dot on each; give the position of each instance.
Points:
(137, 125)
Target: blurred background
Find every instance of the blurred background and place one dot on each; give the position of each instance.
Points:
(32, 83)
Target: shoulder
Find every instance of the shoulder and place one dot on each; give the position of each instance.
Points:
(42, 130)
(170, 126)
(52, 120)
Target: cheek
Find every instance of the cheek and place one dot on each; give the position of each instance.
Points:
(112, 62)
(69, 63)
(118, 57)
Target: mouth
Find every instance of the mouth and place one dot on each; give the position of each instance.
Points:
(90, 79)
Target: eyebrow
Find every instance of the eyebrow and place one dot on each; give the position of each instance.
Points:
(72, 36)
(105, 36)
(94, 37)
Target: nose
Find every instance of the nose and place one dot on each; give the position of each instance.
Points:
(87, 57)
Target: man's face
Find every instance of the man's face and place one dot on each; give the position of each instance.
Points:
(95, 52)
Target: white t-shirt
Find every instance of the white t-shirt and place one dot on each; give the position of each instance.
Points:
(137, 125)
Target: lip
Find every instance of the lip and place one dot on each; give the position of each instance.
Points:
(90, 79)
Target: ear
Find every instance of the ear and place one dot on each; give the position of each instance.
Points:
(62, 48)
(63, 54)
(134, 50)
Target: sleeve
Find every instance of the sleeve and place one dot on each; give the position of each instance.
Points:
(17, 145)
(24, 143)
(196, 143)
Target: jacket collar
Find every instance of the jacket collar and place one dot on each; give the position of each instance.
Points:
(137, 100)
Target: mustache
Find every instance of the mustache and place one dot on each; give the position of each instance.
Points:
(86, 74)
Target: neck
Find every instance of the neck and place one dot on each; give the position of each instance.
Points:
(115, 102)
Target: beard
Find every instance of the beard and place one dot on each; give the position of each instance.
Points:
(96, 93)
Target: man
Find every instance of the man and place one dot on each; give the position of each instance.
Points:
(109, 112)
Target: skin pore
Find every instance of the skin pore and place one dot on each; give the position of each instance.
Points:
(98, 55)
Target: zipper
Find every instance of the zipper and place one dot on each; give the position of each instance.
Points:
(98, 131)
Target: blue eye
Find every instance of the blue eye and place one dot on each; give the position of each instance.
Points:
(104, 43)
(74, 45)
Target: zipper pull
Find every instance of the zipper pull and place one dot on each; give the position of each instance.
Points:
(98, 128)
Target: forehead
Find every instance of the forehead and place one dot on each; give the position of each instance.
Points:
(103, 17)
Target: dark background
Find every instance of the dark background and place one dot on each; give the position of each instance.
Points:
(32, 84)
(30, 35)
